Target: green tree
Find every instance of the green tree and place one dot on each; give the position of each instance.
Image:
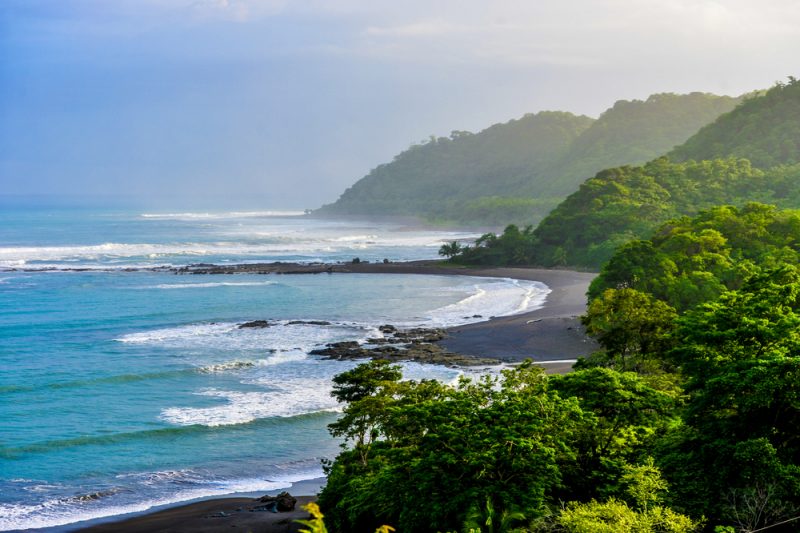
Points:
(490, 520)
(367, 390)
(645, 513)
(629, 325)
(741, 357)
(496, 439)
(624, 416)
(614, 516)
(450, 249)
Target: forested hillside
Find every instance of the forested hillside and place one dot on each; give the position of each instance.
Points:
(765, 129)
(624, 203)
(447, 173)
(518, 171)
(633, 132)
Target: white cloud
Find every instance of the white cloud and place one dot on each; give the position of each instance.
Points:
(423, 28)
(609, 33)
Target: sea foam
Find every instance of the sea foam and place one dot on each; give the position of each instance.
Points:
(221, 216)
(62, 511)
(491, 297)
(210, 285)
(300, 397)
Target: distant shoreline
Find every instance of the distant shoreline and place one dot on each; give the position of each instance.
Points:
(549, 335)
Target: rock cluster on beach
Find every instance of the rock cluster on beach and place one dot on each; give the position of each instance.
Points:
(416, 344)
(282, 503)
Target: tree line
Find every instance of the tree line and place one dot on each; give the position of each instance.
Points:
(687, 418)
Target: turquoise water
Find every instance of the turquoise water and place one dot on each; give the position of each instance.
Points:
(121, 390)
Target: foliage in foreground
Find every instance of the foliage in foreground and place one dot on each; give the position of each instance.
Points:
(699, 370)
(423, 456)
(733, 342)
(316, 524)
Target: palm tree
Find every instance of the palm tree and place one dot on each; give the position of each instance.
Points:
(450, 249)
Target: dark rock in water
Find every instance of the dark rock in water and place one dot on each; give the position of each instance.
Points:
(342, 350)
(309, 323)
(255, 324)
(477, 316)
(344, 345)
(421, 335)
(416, 344)
(93, 496)
(283, 502)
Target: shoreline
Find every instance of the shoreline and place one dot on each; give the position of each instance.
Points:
(211, 514)
(551, 335)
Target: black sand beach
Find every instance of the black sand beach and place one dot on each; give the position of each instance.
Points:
(552, 336)
(218, 514)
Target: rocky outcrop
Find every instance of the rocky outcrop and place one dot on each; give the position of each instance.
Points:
(416, 344)
(255, 324)
(282, 503)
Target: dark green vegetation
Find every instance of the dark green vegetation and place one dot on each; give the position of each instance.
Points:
(625, 203)
(760, 144)
(692, 260)
(764, 129)
(424, 456)
(687, 418)
(716, 306)
(518, 171)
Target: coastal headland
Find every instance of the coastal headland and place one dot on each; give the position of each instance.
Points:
(551, 336)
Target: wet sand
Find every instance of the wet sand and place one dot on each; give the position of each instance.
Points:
(548, 335)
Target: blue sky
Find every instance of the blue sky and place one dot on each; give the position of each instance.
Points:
(275, 103)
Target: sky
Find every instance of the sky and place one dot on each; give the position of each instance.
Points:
(284, 104)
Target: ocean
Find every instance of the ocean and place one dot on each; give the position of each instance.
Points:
(122, 389)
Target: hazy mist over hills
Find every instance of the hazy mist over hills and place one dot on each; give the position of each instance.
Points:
(286, 104)
(517, 171)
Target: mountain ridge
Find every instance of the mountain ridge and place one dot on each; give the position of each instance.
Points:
(517, 171)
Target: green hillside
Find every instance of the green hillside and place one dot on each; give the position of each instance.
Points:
(764, 129)
(518, 171)
(633, 132)
(689, 261)
(448, 172)
(624, 203)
